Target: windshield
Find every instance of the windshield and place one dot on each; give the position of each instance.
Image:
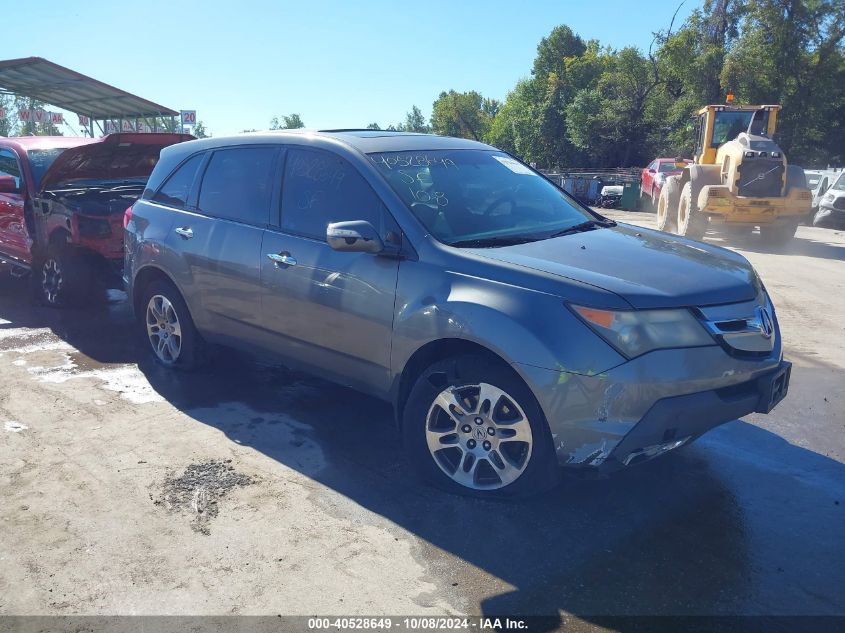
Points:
(813, 180)
(665, 168)
(727, 125)
(839, 185)
(40, 161)
(462, 195)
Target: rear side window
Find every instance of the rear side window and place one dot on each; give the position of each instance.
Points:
(9, 166)
(176, 190)
(319, 188)
(238, 184)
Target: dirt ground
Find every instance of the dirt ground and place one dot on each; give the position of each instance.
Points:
(247, 489)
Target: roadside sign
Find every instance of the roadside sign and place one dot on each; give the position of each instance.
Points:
(111, 127)
(189, 117)
(56, 118)
(128, 127)
(84, 120)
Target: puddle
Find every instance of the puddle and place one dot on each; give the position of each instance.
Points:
(52, 360)
(14, 427)
(199, 490)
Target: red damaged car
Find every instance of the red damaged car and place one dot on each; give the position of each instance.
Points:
(653, 177)
(62, 201)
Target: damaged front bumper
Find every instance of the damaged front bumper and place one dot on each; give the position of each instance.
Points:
(652, 404)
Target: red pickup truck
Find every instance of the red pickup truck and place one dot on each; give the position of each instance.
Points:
(62, 201)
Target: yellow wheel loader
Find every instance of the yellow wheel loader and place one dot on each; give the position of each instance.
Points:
(739, 178)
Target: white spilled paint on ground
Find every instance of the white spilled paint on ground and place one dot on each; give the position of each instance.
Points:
(48, 359)
(14, 427)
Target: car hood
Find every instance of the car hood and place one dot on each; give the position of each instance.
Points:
(648, 269)
(113, 157)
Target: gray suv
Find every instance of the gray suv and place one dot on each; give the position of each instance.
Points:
(511, 328)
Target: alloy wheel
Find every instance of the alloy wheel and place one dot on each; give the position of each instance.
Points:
(479, 436)
(52, 280)
(163, 329)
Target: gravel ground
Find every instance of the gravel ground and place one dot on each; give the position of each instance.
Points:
(247, 489)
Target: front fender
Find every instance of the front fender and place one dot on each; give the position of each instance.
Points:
(523, 326)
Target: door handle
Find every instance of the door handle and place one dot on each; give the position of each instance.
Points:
(282, 259)
(185, 232)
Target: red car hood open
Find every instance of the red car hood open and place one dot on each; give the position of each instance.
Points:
(113, 157)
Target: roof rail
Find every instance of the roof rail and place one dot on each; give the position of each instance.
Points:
(364, 129)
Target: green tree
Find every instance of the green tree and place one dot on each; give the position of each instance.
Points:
(288, 122)
(7, 123)
(514, 128)
(373, 126)
(200, 130)
(414, 122)
(463, 114)
(553, 50)
(791, 52)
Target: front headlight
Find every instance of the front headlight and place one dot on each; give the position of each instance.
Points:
(635, 332)
(828, 197)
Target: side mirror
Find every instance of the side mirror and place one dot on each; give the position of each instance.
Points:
(8, 184)
(357, 236)
(652, 171)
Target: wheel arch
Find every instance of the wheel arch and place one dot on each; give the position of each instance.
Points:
(143, 278)
(430, 353)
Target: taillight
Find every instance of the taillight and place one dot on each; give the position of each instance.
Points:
(127, 217)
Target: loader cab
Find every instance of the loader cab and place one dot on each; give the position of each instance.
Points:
(718, 124)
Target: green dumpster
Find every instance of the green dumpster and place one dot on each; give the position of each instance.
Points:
(630, 196)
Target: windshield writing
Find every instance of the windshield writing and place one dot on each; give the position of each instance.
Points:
(462, 195)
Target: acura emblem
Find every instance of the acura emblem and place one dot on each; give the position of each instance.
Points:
(767, 326)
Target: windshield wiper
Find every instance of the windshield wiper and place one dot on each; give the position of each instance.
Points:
(496, 240)
(589, 225)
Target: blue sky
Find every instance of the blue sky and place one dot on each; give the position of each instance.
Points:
(338, 64)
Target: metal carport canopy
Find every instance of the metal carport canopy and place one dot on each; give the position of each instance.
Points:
(41, 79)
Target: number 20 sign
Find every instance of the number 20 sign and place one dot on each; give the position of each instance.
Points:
(189, 117)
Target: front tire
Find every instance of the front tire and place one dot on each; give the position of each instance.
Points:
(167, 327)
(667, 204)
(691, 222)
(61, 277)
(473, 427)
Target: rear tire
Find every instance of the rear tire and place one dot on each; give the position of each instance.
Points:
(667, 204)
(691, 222)
(507, 450)
(166, 325)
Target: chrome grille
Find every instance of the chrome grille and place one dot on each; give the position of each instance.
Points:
(742, 328)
